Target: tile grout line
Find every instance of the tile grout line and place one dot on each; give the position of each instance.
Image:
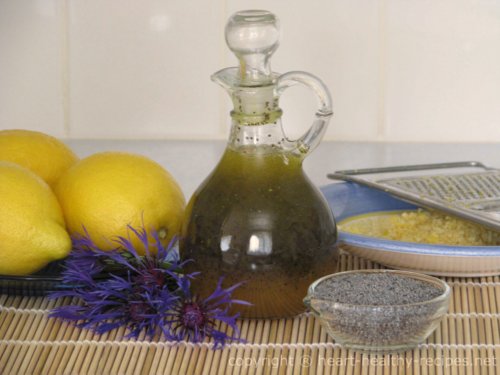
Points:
(64, 9)
(382, 71)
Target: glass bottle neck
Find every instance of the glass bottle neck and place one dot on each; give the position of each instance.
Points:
(254, 105)
(256, 120)
(267, 136)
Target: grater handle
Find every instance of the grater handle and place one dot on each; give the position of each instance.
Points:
(340, 175)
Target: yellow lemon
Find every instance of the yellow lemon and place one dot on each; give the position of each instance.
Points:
(108, 191)
(43, 154)
(32, 231)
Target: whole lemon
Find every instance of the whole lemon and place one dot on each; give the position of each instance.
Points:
(32, 231)
(104, 193)
(43, 154)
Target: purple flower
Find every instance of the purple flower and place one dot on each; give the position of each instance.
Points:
(195, 319)
(147, 293)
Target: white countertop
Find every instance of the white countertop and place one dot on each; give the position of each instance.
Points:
(191, 161)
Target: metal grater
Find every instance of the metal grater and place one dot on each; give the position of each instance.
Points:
(469, 189)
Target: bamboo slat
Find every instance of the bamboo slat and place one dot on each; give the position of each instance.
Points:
(466, 342)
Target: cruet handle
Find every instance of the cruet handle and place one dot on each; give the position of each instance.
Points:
(311, 138)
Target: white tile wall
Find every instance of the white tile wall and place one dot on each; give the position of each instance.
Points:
(142, 68)
(398, 70)
(31, 66)
(443, 70)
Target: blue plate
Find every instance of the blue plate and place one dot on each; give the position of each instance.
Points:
(350, 199)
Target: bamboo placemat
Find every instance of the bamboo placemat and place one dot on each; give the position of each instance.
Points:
(466, 342)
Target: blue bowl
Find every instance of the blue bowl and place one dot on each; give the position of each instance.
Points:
(350, 199)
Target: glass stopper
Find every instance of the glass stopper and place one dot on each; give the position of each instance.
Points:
(253, 36)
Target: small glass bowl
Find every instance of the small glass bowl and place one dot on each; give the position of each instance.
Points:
(380, 328)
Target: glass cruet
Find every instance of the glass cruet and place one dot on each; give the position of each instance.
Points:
(257, 218)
